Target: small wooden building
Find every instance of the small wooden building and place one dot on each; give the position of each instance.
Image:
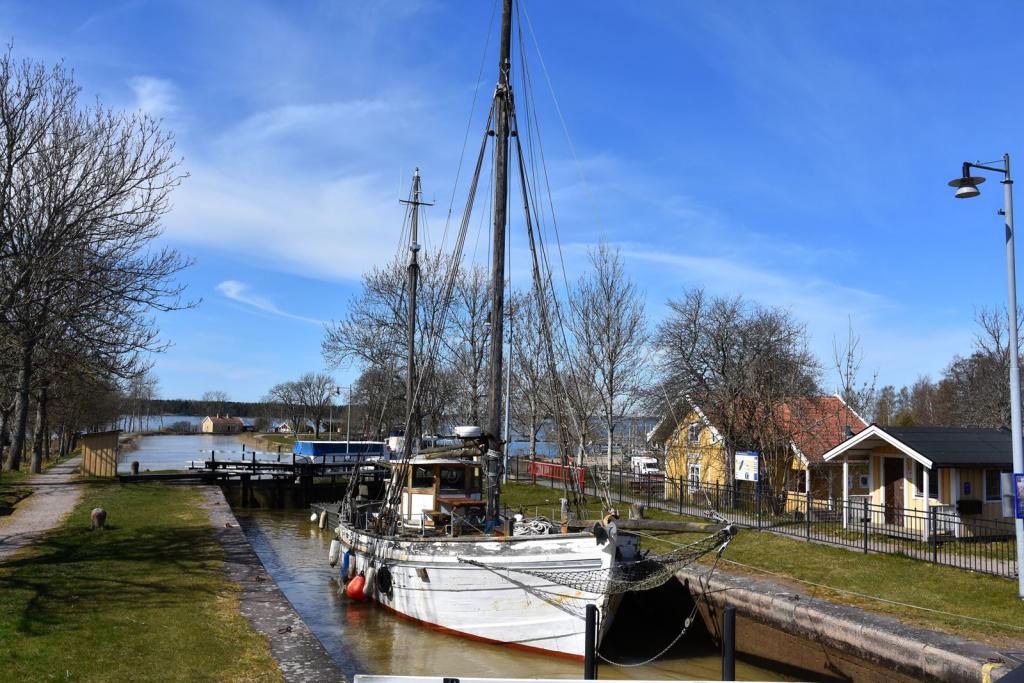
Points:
(99, 453)
(960, 469)
(222, 425)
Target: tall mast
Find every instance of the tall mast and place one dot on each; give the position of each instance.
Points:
(502, 106)
(411, 411)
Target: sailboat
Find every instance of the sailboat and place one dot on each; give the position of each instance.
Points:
(426, 535)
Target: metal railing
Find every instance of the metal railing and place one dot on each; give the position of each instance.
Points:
(941, 535)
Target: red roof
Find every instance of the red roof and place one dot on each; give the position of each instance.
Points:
(819, 424)
(218, 420)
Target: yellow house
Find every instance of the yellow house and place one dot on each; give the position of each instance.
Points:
(960, 468)
(222, 425)
(695, 452)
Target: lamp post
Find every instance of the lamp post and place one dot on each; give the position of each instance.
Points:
(967, 186)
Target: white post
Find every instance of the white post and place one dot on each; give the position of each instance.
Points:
(807, 481)
(954, 495)
(927, 503)
(846, 490)
(1018, 451)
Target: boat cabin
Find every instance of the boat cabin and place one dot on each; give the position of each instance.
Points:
(442, 495)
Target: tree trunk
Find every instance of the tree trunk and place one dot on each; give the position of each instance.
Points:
(21, 408)
(44, 402)
(38, 436)
(611, 433)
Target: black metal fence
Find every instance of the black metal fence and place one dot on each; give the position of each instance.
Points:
(941, 535)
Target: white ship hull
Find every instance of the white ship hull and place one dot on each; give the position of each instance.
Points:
(494, 603)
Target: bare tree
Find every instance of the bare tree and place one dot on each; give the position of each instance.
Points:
(287, 397)
(468, 342)
(741, 363)
(316, 391)
(528, 402)
(610, 330)
(847, 359)
(215, 402)
(82, 193)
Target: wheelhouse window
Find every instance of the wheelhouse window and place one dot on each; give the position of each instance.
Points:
(453, 479)
(422, 477)
(693, 434)
(993, 485)
(933, 481)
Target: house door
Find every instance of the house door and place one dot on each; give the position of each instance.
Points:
(893, 480)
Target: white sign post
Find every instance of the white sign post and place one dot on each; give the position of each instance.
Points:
(747, 465)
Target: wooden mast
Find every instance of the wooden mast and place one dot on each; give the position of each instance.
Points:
(502, 107)
(412, 425)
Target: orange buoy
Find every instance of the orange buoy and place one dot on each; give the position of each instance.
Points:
(354, 589)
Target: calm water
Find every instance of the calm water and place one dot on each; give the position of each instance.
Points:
(173, 452)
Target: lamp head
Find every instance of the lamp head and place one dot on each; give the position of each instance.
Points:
(966, 186)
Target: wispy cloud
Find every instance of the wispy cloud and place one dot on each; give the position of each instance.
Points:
(155, 96)
(240, 292)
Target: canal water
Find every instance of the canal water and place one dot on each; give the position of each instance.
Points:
(175, 451)
(362, 638)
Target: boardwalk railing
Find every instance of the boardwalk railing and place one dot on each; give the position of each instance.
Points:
(941, 535)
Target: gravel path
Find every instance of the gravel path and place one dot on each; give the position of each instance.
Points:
(54, 495)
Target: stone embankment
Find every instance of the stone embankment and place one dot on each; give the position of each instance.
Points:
(299, 654)
(839, 640)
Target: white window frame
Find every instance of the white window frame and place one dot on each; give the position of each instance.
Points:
(692, 482)
(692, 439)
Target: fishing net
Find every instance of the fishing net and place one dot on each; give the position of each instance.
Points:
(645, 574)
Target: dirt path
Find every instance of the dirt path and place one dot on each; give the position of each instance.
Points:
(54, 495)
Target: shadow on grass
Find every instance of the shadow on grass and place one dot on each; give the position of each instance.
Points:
(74, 577)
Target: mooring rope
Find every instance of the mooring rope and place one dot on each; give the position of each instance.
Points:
(705, 585)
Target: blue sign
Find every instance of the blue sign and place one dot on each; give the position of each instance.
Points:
(1018, 495)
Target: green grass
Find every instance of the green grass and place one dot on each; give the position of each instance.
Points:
(144, 599)
(890, 577)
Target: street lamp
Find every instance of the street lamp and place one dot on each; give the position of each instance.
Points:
(967, 186)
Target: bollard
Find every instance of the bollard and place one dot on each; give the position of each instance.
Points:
(590, 645)
(729, 643)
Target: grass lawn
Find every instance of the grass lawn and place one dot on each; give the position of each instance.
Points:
(142, 600)
(890, 577)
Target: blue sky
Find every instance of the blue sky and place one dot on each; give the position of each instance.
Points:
(793, 152)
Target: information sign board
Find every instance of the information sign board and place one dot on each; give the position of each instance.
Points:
(747, 466)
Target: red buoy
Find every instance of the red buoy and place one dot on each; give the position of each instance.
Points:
(354, 589)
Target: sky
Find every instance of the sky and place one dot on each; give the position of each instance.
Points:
(793, 152)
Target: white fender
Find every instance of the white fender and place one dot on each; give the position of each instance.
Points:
(368, 586)
(323, 518)
(335, 552)
(312, 517)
